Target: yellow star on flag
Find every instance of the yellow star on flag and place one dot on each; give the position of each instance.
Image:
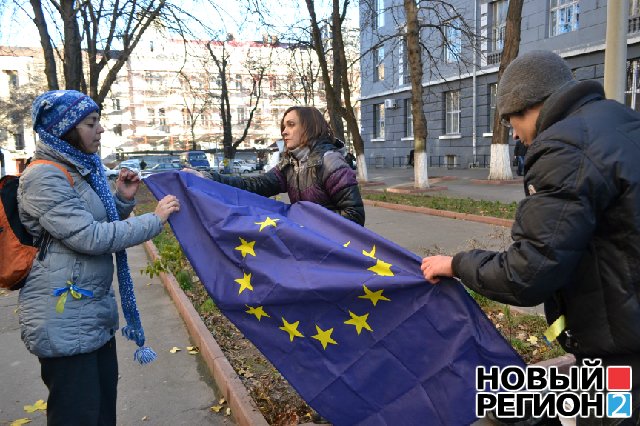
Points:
(371, 254)
(359, 321)
(245, 283)
(267, 222)
(347, 244)
(381, 268)
(258, 311)
(292, 329)
(324, 336)
(246, 248)
(374, 296)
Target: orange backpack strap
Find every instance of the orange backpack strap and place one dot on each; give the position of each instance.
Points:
(57, 165)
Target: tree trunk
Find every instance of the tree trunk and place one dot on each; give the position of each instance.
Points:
(350, 117)
(333, 104)
(421, 175)
(337, 75)
(73, 72)
(500, 165)
(47, 47)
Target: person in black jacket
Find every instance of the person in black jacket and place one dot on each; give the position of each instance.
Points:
(312, 167)
(576, 236)
(519, 152)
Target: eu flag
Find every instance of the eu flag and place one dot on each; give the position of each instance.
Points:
(345, 315)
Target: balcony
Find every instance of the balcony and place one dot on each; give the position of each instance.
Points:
(493, 58)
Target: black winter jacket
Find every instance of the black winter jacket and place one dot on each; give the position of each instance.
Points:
(577, 233)
(323, 177)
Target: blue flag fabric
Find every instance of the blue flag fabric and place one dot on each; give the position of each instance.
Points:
(345, 315)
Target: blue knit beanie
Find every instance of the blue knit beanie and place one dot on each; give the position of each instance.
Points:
(58, 111)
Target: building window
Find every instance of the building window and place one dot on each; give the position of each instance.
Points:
(408, 118)
(563, 17)
(452, 108)
(241, 115)
(19, 141)
(12, 76)
(162, 118)
(117, 129)
(499, 24)
(238, 82)
(632, 94)
(377, 18)
(404, 58)
(151, 117)
(186, 117)
(378, 59)
(453, 41)
(378, 121)
(493, 95)
(116, 104)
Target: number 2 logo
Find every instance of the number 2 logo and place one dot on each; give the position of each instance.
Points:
(619, 404)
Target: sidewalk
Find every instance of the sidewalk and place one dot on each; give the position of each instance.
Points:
(459, 183)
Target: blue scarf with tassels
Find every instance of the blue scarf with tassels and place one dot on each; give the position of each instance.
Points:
(98, 181)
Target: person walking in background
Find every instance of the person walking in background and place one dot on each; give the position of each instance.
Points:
(312, 167)
(519, 152)
(143, 164)
(577, 233)
(68, 313)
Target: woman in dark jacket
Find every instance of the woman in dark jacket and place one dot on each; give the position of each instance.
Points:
(313, 167)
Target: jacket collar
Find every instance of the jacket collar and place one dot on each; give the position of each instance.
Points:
(565, 101)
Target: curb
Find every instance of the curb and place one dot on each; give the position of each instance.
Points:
(507, 223)
(243, 408)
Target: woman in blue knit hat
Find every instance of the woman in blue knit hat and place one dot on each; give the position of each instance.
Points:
(68, 312)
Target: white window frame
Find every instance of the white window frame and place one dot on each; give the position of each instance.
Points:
(452, 112)
(378, 15)
(564, 16)
(453, 42)
(632, 91)
(378, 121)
(378, 64)
(408, 118)
(499, 24)
(493, 102)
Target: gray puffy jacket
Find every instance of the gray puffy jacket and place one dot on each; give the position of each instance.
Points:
(79, 251)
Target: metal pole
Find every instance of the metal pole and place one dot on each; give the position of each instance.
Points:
(615, 56)
(475, 67)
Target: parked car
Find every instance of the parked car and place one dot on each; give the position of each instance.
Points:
(111, 174)
(161, 167)
(241, 166)
(133, 165)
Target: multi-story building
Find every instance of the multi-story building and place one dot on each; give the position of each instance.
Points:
(460, 80)
(167, 97)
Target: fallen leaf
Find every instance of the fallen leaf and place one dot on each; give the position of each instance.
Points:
(145, 418)
(20, 422)
(227, 412)
(193, 350)
(174, 349)
(533, 340)
(216, 408)
(38, 405)
(222, 401)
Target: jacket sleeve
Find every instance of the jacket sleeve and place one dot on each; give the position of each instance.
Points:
(45, 198)
(267, 184)
(553, 229)
(342, 187)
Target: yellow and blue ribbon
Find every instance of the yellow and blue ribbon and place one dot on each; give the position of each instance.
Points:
(62, 292)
